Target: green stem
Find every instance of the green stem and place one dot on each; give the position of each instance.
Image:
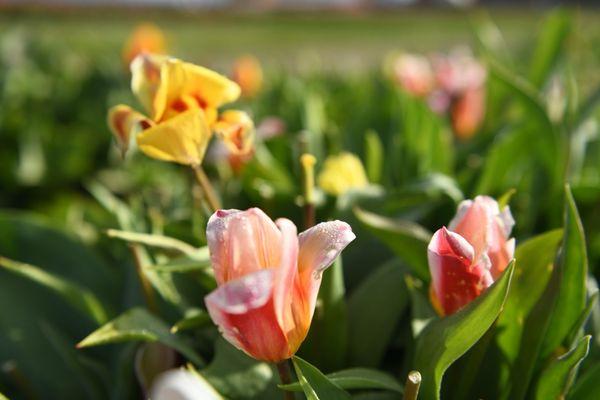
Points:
(207, 188)
(283, 367)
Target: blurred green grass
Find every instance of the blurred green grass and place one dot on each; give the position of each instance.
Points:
(299, 41)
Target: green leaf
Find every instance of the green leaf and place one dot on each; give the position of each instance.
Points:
(571, 299)
(533, 269)
(184, 265)
(327, 341)
(422, 313)
(558, 309)
(442, 342)
(407, 239)
(551, 43)
(357, 378)
(374, 309)
(556, 378)
(235, 375)
(374, 156)
(160, 241)
(504, 200)
(315, 385)
(76, 295)
(139, 324)
(587, 385)
(194, 318)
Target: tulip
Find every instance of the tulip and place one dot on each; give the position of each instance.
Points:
(414, 74)
(268, 278)
(236, 132)
(181, 101)
(467, 112)
(145, 39)
(470, 255)
(248, 73)
(341, 173)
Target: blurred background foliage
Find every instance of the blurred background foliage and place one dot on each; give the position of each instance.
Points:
(63, 183)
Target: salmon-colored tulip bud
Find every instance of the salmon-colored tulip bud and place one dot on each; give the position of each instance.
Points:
(145, 39)
(414, 74)
(467, 112)
(248, 73)
(457, 276)
(469, 256)
(124, 122)
(268, 278)
(487, 229)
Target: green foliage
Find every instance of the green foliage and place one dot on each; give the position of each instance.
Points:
(120, 257)
(356, 378)
(139, 324)
(442, 342)
(315, 385)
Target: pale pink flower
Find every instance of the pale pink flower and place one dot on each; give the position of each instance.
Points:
(268, 278)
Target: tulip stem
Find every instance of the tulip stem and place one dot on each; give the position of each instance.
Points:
(207, 188)
(308, 161)
(411, 388)
(283, 367)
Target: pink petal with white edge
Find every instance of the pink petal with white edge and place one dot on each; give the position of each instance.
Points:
(242, 242)
(319, 247)
(243, 309)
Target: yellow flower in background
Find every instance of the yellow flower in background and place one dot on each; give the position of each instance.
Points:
(145, 39)
(181, 101)
(341, 173)
(248, 73)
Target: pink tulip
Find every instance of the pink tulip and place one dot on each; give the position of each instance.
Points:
(467, 258)
(413, 72)
(268, 278)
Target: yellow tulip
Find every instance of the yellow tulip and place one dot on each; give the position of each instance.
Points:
(341, 173)
(181, 100)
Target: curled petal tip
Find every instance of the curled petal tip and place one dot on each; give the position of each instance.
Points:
(241, 295)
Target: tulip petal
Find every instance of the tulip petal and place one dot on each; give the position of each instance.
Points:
(241, 242)
(473, 222)
(124, 122)
(236, 130)
(319, 247)
(244, 311)
(455, 279)
(148, 82)
(188, 84)
(285, 278)
(182, 139)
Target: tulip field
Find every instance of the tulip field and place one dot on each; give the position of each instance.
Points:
(288, 207)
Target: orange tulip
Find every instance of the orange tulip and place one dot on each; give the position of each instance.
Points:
(248, 73)
(268, 278)
(145, 39)
(467, 258)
